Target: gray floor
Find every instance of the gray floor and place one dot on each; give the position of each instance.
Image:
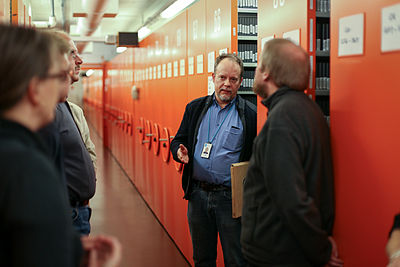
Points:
(119, 210)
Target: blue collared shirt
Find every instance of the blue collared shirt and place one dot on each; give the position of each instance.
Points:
(226, 146)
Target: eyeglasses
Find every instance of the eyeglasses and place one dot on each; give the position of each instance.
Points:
(62, 76)
(223, 78)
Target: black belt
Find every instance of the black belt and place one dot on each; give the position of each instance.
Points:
(211, 187)
(79, 203)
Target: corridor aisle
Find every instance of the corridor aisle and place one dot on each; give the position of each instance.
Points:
(119, 210)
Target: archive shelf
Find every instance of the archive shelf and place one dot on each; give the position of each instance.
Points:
(247, 46)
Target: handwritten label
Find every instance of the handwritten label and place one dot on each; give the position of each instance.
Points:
(200, 64)
(211, 87)
(293, 36)
(223, 51)
(266, 39)
(211, 60)
(351, 35)
(164, 72)
(169, 70)
(182, 67)
(390, 32)
(195, 29)
(191, 65)
(175, 68)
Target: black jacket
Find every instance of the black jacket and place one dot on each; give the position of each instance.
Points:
(288, 201)
(35, 220)
(187, 132)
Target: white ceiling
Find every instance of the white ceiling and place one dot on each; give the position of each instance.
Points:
(131, 15)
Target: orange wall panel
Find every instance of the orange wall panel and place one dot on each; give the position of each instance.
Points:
(365, 138)
(197, 83)
(276, 20)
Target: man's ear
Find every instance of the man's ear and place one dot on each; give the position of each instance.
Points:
(266, 76)
(33, 91)
(213, 76)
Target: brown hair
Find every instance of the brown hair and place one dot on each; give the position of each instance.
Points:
(60, 42)
(26, 53)
(232, 57)
(288, 64)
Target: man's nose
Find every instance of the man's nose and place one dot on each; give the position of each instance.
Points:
(78, 60)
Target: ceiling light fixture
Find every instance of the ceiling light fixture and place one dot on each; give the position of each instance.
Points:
(175, 8)
(143, 32)
(121, 49)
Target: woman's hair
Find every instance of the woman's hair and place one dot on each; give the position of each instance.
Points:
(25, 53)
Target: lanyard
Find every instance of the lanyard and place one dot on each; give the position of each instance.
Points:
(209, 122)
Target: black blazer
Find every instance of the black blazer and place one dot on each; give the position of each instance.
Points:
(188, 130)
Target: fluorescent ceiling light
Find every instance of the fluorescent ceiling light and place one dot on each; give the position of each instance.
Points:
(121, 49)
(175, 8)
(143, 32)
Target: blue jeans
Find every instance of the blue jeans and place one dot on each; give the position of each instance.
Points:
(210, 214)
(80, 217)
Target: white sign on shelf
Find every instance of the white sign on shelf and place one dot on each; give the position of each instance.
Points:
(191, 65)
(159, 72)
(200, 64)
(223, 51)
(182, 65)
(169, 70)
(266, 39)
(147, 74)
(150, 73)
(164, 66)
(293, 36)
(178, 38)
(211, 60)
(154, 72)
(390, 32)
(175, 68)
(211, 87)
(195, 29)
(351, 35)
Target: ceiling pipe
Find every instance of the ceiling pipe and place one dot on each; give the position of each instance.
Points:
(66, 23)
(47, 24)
(94, 18)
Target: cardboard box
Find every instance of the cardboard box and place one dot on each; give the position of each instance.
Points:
(238, 172)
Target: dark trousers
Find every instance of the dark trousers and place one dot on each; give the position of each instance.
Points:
(210, 214)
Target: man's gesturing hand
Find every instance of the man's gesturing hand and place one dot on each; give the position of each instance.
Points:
(183, 154)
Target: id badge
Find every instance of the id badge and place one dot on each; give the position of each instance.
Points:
(206, 150)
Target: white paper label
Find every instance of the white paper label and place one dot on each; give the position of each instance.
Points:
(178, 38)
(169, 70)
(390, 32)
(351, 35)
(195, 29)
(182, 67)
(223, 51)
(154, 72)
(164, 74)
(211, 87)
(293, 36)
(211, 60)
(200, 64)
(266, 39)
(191, 65)
(159, 72)
(175, 68)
